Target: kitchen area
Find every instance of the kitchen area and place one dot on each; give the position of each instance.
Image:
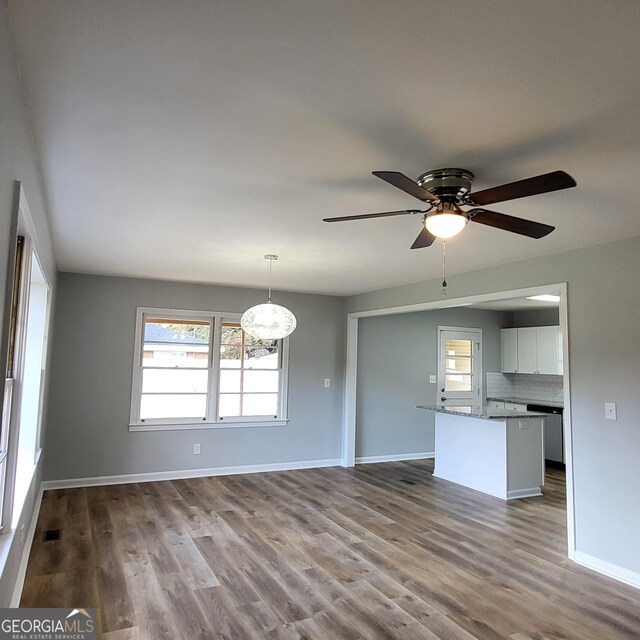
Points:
(540, 396)
(531, 379)
(502, 443)
(498, 435)
(491, 371)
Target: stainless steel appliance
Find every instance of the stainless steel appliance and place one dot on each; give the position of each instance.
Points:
(553, 434)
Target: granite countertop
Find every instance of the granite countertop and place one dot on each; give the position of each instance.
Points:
(483, 411)
(559, 404)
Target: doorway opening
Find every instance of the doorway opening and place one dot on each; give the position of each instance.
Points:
(481, 301)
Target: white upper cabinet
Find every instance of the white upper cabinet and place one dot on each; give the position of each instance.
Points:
(509, 338)
(532, 350)
(547, 349)
(527, 350)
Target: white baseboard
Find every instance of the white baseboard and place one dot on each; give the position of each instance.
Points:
(396, 457)
(516, 494)
(26, 550)
(470, 483)
(184, 474)
(608, 569)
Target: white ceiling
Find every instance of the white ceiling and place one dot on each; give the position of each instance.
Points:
(185, 140)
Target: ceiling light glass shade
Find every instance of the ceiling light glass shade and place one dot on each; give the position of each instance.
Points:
(445, 225)
(268, 321)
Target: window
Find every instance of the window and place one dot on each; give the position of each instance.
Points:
(175, 368)
(200, 369)
(249, 374)
(28, 301)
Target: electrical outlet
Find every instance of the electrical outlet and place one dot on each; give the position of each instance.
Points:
(327, 383)
(196, 449)
(432, 379)
(610, 412)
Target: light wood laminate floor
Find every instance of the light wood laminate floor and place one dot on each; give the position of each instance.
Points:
(379, 551)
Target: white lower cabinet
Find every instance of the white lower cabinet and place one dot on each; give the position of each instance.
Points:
(513, 406)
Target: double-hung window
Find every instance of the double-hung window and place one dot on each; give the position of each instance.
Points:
(249, 374)
(195, 369)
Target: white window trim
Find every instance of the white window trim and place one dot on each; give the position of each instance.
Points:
(212, 420)
(12, 417)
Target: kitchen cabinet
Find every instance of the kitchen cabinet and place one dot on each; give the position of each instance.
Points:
(509, 341)
(495, 404)
(497, 455)
(532, 350)
(514, 406)
(549, 350)
(527, 350)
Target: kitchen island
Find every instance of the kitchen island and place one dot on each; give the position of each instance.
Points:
(496, 451)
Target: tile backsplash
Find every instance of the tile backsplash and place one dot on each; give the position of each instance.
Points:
(520, 385)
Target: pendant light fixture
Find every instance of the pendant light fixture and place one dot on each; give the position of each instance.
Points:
(268, 321)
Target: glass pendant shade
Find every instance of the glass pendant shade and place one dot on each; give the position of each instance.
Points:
(445, 225)
(268, 321)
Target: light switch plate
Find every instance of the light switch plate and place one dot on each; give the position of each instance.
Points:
(432, 379)
(327, 383)
(610, 412)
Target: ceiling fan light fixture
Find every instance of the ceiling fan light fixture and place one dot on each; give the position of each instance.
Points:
(446, 222)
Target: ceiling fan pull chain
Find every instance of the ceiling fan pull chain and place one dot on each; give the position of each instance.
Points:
(444, 268)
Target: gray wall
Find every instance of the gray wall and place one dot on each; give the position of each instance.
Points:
(92, 369)
(536, 318)
(17, 162)
(396, 355)
(604, 355)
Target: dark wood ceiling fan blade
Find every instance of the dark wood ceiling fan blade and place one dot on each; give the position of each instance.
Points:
(364, 216)
(424, 239)
(400, 181)
(545, 183)
(510, 223)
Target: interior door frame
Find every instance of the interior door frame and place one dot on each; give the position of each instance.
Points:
(475, 359)
(351, 376)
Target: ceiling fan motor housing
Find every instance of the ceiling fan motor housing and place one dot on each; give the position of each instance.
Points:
(450, 185)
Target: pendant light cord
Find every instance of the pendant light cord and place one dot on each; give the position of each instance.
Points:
(270, 263)
(444, 268)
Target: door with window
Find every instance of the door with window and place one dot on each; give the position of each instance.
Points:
(459, 366)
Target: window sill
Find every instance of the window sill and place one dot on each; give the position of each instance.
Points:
(208, 425)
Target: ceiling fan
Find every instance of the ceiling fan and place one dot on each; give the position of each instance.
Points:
(445, 191)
